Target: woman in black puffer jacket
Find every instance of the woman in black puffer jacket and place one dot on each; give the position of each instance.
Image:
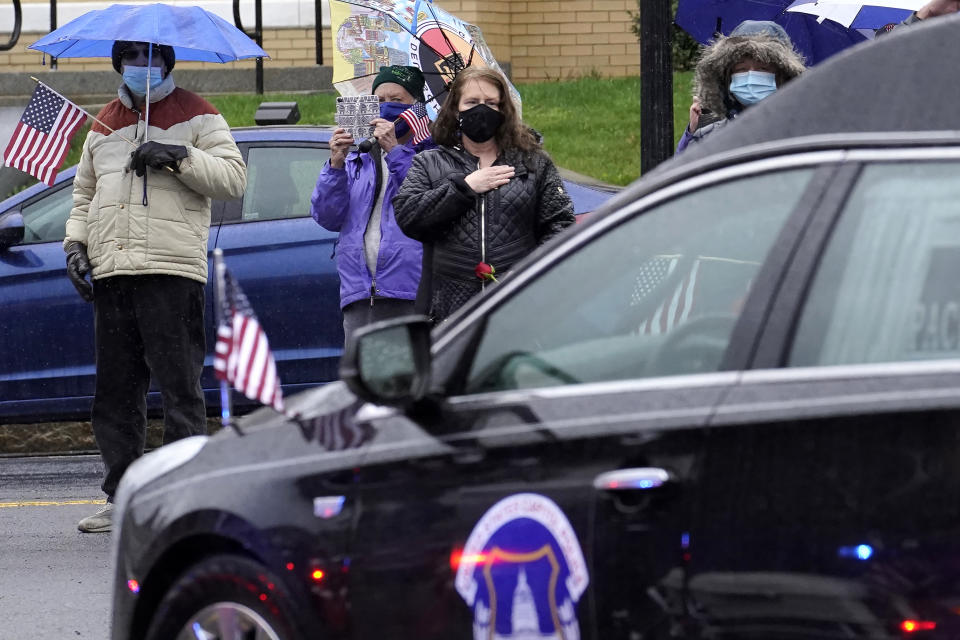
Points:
(486, 197)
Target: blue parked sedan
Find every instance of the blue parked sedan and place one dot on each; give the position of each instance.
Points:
(281, 257)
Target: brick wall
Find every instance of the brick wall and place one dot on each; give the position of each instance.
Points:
(541, 39)
(551, 39)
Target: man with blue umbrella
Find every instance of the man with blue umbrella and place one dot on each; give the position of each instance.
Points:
(139, 227)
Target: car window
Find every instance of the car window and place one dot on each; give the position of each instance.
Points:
(656, 295)
(45, 219)
(280, 181)
(887, 288)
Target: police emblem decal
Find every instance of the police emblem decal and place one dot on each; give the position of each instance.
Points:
(522, 572)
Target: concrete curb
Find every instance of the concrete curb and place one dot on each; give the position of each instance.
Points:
(99, 87)
(51, 438)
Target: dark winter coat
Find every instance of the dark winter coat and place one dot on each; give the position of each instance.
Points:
(462, 228)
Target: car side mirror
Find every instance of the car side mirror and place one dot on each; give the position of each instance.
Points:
(389, 362)
(11, 229)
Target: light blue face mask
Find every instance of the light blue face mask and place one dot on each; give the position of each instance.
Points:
(136, 79)
(751, 87)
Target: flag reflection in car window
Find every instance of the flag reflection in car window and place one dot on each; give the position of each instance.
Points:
(657, 295)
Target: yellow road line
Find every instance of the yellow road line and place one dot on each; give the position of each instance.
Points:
(48, 503)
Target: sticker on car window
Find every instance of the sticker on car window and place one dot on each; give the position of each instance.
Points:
(522, 571)
(937, 312)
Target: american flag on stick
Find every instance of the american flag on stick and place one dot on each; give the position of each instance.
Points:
(242, 356)
(41, 139)
(416, 116)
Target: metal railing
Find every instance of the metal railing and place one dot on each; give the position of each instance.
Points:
(53, 26)
(17, 23)
(318, 26)
(256, 36)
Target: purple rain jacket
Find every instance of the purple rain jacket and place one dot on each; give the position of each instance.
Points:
(342, 201)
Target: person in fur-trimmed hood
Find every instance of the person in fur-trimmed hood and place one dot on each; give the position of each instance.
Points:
(737, 71)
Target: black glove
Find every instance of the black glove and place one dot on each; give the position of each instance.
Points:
(157, 155)
(78, 266)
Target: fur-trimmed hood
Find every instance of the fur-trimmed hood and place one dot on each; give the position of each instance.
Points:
(711, 80)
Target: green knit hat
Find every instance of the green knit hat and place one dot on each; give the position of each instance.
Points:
(410, 78)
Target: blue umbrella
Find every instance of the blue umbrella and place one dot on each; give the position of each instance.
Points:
(193, 32)
(702, 19)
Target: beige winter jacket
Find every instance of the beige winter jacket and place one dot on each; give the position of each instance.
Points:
(169, 234)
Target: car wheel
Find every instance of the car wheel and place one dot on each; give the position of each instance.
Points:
(225, 597)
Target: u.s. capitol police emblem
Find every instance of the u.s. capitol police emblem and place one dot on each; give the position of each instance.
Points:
(522, 572)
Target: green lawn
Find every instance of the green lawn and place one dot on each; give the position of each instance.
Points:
(315, 108)
(590, 125)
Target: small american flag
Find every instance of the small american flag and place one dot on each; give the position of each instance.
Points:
(676, 306)
(41, 139)
(416, 116)
(242, 356)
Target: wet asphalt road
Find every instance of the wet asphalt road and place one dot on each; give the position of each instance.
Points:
(55, 582)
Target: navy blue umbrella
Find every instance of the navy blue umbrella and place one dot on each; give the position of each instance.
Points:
(856, 15)
(703, 19)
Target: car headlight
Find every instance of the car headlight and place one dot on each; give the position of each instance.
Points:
(145, 470)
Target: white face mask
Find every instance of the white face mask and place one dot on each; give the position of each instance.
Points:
(751, 87)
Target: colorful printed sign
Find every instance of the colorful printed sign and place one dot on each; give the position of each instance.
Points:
(522, 571)
(370, 34)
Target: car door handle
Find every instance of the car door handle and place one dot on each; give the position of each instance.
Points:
(638, 478)
(470, 456)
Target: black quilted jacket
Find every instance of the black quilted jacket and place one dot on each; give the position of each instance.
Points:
(461, 228)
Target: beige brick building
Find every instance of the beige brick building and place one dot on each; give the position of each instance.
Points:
(539, 39)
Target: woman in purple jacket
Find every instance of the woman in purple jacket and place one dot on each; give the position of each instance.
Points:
(379, 266)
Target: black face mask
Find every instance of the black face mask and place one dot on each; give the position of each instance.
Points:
(480, 123)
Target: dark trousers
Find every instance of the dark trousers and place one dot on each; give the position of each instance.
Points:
(361, 313)
(145, 325)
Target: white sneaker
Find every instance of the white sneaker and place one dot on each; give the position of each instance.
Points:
(100, 522)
